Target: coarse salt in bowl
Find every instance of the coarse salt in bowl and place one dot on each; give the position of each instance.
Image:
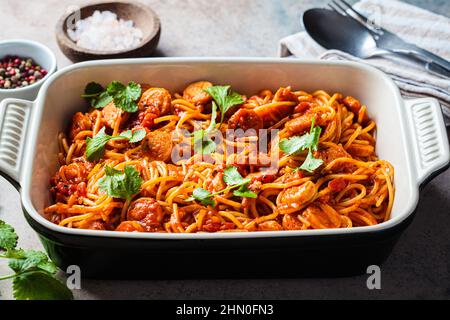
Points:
(108, 30)
(103, 31)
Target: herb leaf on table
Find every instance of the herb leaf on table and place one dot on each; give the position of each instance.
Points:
(34, 273)
(38, 285)
(8, 237)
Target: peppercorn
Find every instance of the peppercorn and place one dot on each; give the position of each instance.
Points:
(37, 75)
(17, 72)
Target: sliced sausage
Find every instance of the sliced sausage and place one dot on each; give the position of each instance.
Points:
(156, 100)
(195, 92)
(245, 119)
(157, 146)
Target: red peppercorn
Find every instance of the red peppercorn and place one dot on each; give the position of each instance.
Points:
(18, 72)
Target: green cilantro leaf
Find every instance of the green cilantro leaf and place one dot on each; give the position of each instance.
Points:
(218, 93)
(209, 146)
(310, 142)
(233, 179)
(314, 137)
(137, 136)
(48, 266)
(202, 143)
(231, 176)
(121, 184)
(101, 101)
(202, 195)
(132, 136)
(125, 96)
(92, 89)
(34, 272)
(297, 144)
(95, 147)
(244, 192)
(8, 237)
(212, 125)
(39, 285)
(22, 261)
(310, 164)
(294, 145)
(224, 98)
(96, 94)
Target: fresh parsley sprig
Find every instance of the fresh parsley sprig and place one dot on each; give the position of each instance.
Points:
(121, 184)
(34, 273)
(233, 179)
(204, 196)
(202, 143)
(311, 164)
(96, 95)
(308, 141)
(95, 147)
(8, 237)
(124, 96)
(225, 98)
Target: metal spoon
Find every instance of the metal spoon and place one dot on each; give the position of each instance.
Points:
(334, 31)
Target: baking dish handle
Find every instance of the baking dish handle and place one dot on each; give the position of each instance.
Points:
(429, 137)
(14, 118)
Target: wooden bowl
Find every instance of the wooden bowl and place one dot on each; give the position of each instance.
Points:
(143, 17)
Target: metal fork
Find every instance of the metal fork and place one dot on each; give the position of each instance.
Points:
(389, 41)
(345, 9)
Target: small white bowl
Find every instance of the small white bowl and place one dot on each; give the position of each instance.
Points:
(40, 54)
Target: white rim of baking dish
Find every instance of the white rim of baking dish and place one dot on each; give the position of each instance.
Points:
(35, 121)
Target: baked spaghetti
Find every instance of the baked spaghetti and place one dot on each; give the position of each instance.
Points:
(120, 168)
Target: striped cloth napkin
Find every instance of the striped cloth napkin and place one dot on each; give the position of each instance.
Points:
(421, 27)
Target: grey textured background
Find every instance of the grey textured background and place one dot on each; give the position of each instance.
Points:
(419, 266)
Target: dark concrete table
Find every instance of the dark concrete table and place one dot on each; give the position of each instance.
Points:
(419, 266)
